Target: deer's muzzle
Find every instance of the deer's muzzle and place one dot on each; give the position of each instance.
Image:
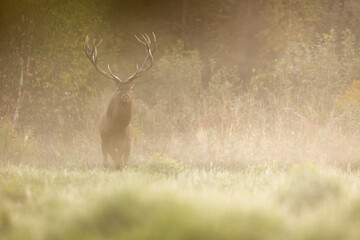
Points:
(125, 97)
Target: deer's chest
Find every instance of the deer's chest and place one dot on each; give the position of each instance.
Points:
(118, 116)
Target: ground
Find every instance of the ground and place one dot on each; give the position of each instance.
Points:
(304, 201)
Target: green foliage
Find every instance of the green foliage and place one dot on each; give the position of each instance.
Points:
(161, 165)
(309, 76)
(56, 73)
(288, 20)
(65, 84)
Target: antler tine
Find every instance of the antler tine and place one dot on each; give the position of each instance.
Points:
(136, 72)
(139, 40)
(112, 74)
(155, 41)
(86, 45)
(86, 41)
(151, 56)
(94, 51)
(146, 43)
(151, 52)
(98, 43)
(148, 39)
(95, 54)
(154, 36)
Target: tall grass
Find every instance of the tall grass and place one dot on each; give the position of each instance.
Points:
(262, 202)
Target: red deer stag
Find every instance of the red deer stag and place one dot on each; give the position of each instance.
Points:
(115, 122)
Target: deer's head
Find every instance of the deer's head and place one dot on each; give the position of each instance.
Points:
(124, 88)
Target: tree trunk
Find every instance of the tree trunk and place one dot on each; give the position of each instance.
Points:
(20, 93)
(184, 16)
(22, 52)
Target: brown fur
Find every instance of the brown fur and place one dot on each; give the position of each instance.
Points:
(114, 127)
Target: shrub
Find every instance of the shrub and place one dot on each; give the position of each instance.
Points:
(307, 187)
(5, 222)
(137, 214)
(162, 165)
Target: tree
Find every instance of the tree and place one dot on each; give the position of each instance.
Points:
(45, 39)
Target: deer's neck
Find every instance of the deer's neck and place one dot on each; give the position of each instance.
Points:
(119, 113)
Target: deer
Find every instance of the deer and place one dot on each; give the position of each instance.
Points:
(114, 123)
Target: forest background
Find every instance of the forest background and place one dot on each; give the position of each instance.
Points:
(234, 82)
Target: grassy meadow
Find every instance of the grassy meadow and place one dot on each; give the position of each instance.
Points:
(305, 201)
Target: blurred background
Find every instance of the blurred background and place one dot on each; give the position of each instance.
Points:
(234, 82)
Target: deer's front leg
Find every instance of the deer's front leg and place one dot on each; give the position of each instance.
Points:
(122, 153)
(127, 149)
(105, 151)
(119, 159)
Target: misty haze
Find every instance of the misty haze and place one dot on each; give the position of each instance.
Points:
(202, 119)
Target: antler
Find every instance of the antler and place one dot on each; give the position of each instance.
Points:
(91, 53)
(149, 56)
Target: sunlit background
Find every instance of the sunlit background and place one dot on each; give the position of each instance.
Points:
(251, 110)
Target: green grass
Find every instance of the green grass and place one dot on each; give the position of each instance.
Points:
(305, 201)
